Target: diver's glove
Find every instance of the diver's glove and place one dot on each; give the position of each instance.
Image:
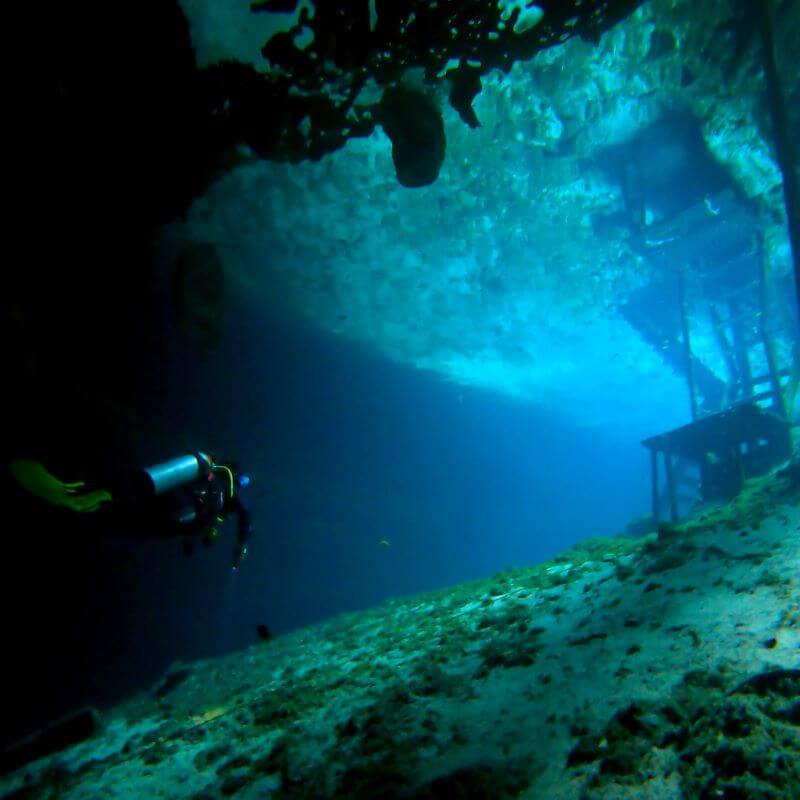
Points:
(33, 477)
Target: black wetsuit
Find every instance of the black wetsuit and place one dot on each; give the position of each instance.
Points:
(185, 511)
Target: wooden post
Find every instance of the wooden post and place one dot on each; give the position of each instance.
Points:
(673, 503)
(741, 348)
(654, 482)
(687, 349)
(739, 464)
(722, 339)
(703, 466)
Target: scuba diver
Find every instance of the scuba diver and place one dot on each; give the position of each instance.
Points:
(188, 496)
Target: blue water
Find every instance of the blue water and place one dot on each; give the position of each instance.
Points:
(347, 449)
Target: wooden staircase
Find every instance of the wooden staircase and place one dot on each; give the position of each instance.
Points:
(740, 415)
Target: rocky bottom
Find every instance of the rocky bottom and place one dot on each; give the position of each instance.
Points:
(665, 666)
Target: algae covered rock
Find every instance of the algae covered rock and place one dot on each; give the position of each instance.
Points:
(721, 741)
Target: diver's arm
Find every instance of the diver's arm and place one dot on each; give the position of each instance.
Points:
(33, 477)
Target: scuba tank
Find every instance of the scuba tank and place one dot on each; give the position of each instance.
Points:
(181, 471)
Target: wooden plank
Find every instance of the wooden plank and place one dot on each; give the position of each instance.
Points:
(687, 346)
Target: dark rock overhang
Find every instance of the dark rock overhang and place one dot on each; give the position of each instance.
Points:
(308, 106)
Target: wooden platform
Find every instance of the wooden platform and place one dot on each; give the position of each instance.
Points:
(741, 442)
